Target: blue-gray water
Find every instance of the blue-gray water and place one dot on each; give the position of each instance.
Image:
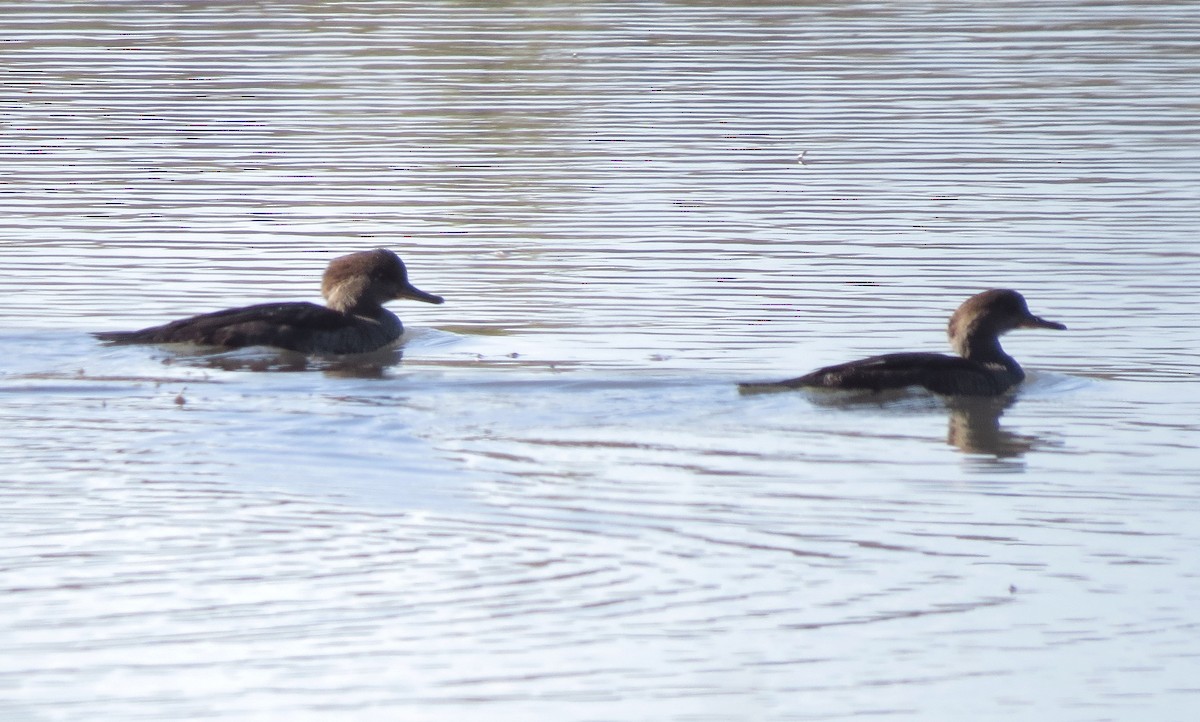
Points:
(556, 505)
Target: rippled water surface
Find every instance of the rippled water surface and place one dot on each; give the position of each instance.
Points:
(552, 502)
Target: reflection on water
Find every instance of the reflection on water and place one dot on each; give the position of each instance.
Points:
(260, 359)
(552, 497)
(975, 428)
(974, 422)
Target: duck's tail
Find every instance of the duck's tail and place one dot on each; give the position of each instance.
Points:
(122, 337)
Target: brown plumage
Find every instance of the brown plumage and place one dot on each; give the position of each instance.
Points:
(982, 368)
(354, 320)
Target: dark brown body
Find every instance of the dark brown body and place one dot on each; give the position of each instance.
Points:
(354, 321)
(982, 368)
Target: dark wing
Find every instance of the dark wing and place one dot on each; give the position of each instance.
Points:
(937, 372)
(286, 325)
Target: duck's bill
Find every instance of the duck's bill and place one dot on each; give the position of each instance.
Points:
(1039, 322)
(417, 294)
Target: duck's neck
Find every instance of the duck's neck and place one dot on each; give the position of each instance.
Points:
(360, 308)
(985, 348)
(351, 297)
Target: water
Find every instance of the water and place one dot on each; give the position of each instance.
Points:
(556, 505)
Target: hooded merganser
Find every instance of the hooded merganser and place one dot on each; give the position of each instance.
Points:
(353, 320)
(980, 369)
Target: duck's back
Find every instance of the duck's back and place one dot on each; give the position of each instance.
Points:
(940, 373)
(299, 326)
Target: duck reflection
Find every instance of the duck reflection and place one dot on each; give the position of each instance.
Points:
(372, 365)
(975, 428)
(974, 422)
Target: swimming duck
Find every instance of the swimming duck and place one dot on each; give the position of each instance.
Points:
(353, 320)
(980, 369)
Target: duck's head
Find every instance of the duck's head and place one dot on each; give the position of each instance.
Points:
(991, 314)
(367, 279)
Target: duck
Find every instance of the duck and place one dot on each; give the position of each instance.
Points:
(981, 368)
(353, 319)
